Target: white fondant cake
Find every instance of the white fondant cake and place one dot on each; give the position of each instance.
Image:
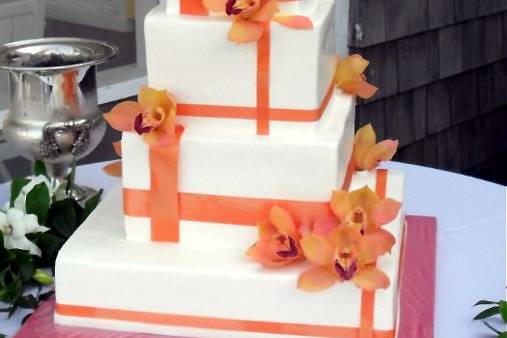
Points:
(205, 286)
(112, 275)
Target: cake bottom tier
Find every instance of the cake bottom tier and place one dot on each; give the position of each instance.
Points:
(199, 290)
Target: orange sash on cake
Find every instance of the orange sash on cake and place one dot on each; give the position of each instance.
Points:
(262, 113)
(365, 329)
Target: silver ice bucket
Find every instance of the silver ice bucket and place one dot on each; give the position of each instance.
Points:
(54, 114)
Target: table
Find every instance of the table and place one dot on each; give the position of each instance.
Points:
(471, 241)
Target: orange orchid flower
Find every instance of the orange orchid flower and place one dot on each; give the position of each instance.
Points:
(251, 15)
(367, 153)
(363, 209)
(350, 77)
(345, 255)
(278, 243)
(114, 168)
(153, 116)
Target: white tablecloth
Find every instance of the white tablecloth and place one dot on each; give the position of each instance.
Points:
(471, 248)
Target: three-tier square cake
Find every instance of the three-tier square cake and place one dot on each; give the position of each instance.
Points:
(242, 143)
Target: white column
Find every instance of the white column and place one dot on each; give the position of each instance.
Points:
(342, 26)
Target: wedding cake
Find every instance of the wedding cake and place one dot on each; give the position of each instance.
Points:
(247, 208)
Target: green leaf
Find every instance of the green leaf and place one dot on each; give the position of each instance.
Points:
(38, 201)
(3, 251)
(22, 264)
(27, 302)
(487, 313)
(42, 277)
(62, 217)
(502, 334)
(16, 186)
(26, 271)
(45, 296)
(12, 291)
(91, 204)
(502, 305)
(484, 302)
(49, 243)
(39, 168)
(488, 325)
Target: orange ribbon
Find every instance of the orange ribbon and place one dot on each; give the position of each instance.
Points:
(368, 297)
(192, 7)
(263, 58)
(215, 323)
(274, 114)
(162, 205)
(262, 112)
(166, 206)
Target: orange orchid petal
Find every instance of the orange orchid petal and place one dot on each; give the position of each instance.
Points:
(282, 221)
(324, 225)
(266, 231)
(266, 12)
(122, 116)
(364, 198)
(294, 21)
(317, 250)
(150, 98)
(158, 138)
(344, 237)
(385, 211)
(340, 203)
(261, 253)
(215, 5)
(350, 68)
(358, 87)
(113, 169)
(169, 123)
(305, 228)
(316, 278)
(117, 148)
(370, 278)
(243, 31)
(383, 151)
(375, 244)
(364, 139)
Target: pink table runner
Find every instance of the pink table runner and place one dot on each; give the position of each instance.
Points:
(416, 302)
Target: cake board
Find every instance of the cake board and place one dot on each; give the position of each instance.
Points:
(417, 299)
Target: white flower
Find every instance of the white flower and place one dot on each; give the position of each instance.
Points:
(14, 225)
(20, 201)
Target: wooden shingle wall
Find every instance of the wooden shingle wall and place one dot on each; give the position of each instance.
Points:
(441, 69)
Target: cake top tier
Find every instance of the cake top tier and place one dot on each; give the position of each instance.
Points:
(303, 7)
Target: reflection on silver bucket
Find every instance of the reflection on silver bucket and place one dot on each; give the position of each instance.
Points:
(54, 114)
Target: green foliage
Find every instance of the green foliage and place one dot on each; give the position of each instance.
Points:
(502, 306)
(91, 204)
(63, 217)
(49, 243)
(487, 313)
(38, 202)
(498, 308)
(18, 268)
(16, 186)
(39, 169)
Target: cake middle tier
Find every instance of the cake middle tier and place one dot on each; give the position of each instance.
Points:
(295, 162)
